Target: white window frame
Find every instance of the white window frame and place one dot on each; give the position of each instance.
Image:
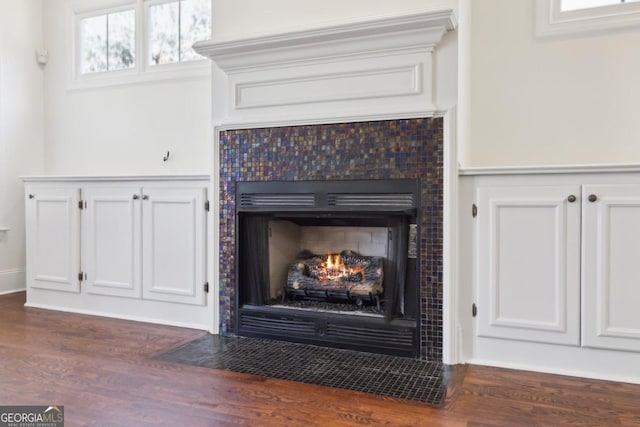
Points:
(77, 48)
(551, 20)
(142, 71)
(147, 42)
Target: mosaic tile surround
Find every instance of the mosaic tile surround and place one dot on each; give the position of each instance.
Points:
(390, 149)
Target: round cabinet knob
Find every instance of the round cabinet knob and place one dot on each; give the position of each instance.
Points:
(593, 197)
(571, 198)
(145, 197)
(31, 196)
(136, 197)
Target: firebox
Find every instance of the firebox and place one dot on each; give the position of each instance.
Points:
(331, 263)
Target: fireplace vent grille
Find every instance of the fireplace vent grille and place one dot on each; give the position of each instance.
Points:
(266, 200)
(274, 325)
(334, 330)
(391, 200)
(390, 195)
(390, 338)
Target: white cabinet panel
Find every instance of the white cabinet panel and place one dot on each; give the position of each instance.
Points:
(611, 269)
(111, 241)
(174, 244)
(529, 263)
(53, 239)
(96, 226)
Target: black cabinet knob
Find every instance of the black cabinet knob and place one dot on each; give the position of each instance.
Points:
(593, 197)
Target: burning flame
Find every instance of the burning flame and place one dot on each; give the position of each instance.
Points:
(334, 262)
(334, 269)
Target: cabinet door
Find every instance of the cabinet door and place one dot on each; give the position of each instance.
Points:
(173, 254)
(611, 267)
(53, 238)
(528, 263)
(111, 241)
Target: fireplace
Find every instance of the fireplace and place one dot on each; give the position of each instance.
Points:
(353, 101)
(386, 157)
(329, 263)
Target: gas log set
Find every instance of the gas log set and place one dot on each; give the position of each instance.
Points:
(347, 276)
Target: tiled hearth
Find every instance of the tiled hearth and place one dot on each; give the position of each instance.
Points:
(383, 375)
(392, 149)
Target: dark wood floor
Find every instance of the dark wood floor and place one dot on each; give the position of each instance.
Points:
(103, 373)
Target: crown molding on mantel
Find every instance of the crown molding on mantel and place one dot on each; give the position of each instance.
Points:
(379, 67)
(424, 29)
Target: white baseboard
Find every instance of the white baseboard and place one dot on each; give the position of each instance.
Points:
(12, 281)
(136, 309)
(574, 361)
(117, 316)
(564, 371)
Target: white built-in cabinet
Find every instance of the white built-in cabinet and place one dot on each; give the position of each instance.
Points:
(611, 266)
(112, 241)
(559, 262)
(173, 255)
(53, 239)
(132, 248)
(529, 263)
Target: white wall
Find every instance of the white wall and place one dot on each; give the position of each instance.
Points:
(237, 19)
(21, 127)
(552, 101)
(127, 129)
(124, 129)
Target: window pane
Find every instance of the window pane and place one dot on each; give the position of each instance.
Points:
(122, 40)
(163, 35)
(567, 5)
(93, 44)
(195, 25)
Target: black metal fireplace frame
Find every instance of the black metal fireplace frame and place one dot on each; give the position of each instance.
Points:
(336, 202)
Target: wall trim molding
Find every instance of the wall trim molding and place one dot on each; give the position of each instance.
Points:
(451, 345)
(548, 170)
(97, 178)
(12, 281)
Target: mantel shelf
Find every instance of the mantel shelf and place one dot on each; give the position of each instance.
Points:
(379, 35)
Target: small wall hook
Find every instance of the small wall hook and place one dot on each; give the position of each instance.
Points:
(166, 157)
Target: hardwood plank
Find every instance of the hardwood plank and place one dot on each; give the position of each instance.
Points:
(104, 373)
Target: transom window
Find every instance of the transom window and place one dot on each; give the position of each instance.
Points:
(108, 42)
(558, 17)
(174, 27)
(588, 4)
(136, 38)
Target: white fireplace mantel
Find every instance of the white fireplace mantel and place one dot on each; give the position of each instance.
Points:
(378, 68)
